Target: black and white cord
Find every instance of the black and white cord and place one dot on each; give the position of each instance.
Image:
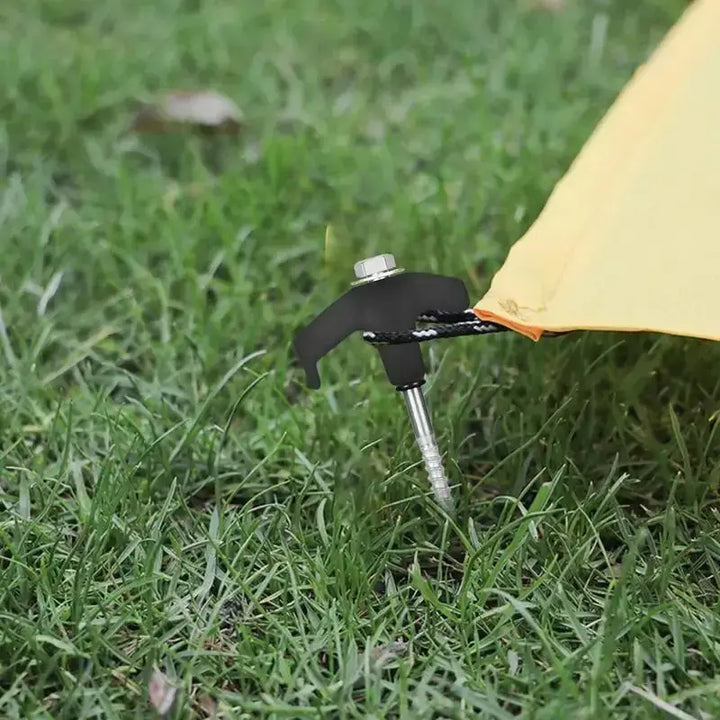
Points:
(441, 325)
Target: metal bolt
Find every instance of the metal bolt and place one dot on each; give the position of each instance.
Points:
(375, 268)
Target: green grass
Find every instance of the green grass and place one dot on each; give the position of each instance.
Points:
(171, 495)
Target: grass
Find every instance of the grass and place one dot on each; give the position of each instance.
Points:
(172, 497)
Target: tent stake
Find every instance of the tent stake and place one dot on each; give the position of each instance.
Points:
(371, 270)
(386, 301)
(426, 442)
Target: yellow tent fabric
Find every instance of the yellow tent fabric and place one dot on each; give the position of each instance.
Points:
(630, 237)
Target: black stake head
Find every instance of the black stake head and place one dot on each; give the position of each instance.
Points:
(392, 303)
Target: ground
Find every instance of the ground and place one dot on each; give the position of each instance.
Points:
(173, 497)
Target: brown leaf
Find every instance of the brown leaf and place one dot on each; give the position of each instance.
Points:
(207, 706)
(203, 108)
(162, 693)
(382, 654)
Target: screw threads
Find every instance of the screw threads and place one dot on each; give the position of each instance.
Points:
(425, 438)
(435, 471)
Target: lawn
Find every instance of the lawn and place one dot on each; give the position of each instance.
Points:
(173, 498)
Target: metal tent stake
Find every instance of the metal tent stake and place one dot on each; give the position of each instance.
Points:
(386, 299)
(425, 438)
(371, 270)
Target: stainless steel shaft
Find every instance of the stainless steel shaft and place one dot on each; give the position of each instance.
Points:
(425, 437)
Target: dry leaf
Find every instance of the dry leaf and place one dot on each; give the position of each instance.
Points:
(203, 108)
(162, 693)
(208, 706)
(385, 653)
